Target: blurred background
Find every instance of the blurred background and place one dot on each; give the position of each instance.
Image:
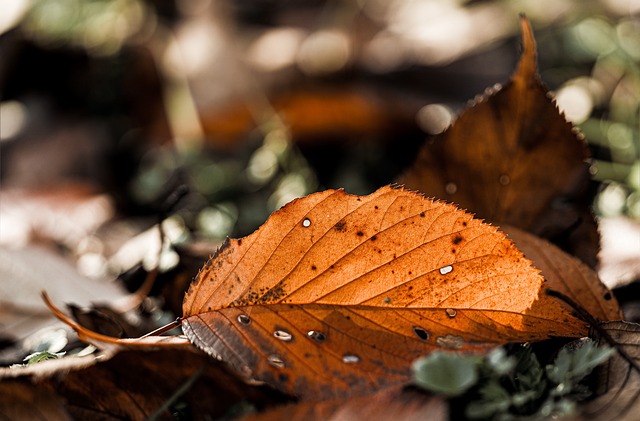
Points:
(208, 115)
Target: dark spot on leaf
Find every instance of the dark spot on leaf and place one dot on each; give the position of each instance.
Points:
(375, 207)
(464, 224)
(359, 233)
(313, 267)
(457, 239)
(374, 238)
(607, 296)
(421, 214)
(421, 333)
(240, 241)
(339, 226)
(453, 251)
(283, 377)
(274, 294)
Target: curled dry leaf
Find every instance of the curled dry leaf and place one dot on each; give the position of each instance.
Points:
(618, 394)
(20, 400)
(337, 294)
(107, 342)
(568, 275)
(512, 158)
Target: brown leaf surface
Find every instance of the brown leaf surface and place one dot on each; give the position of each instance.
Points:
(568, 275)
(397, 403)
(132, 385)
(136, 384)
(619, 383)
(512, 158)
(337, 294)
(20, 400)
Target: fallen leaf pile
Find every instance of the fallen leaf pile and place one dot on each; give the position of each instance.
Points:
(335, 296)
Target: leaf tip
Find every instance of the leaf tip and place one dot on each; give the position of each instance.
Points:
(527, 66)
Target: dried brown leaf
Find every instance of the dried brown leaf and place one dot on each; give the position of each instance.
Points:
(568, 275)
(21, 400)
(513, 159)
(618, 392)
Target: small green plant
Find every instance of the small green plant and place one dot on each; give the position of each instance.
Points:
(446, 373)
(510, 383)
(38, 357)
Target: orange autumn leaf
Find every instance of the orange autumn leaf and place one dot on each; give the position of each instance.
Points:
(337, 294)
(512, 158)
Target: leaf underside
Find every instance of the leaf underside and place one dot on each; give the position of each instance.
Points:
(618, 389)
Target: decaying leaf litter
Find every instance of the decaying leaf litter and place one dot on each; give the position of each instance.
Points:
(336, 295)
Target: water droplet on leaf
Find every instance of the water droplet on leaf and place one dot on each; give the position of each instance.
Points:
(451, 312)
(276, 361)
(244, 319)
(350, 359)
(306, 222)
(317, 336)
(283, 335)
(446, 269)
